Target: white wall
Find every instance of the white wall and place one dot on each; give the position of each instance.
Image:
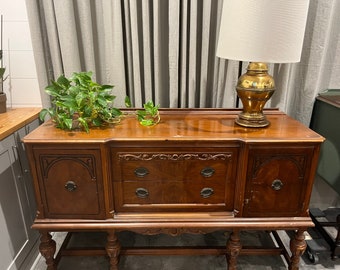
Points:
(21, 87)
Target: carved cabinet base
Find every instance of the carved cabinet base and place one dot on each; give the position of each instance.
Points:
(196, 171)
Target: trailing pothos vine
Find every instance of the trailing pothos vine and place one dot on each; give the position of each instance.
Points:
(80, 103)
(149, 116)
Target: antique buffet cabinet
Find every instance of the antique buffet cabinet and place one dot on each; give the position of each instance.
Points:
(194, 172)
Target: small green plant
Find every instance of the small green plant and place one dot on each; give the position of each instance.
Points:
(2, 73)
(79, 102)
(150, 115)
(2, 79)
(147, 117)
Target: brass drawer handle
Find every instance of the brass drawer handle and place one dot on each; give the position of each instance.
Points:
(207, 192)
(277, 184)
(142, 193)
(207, 172)
(141, 172)
(71, 186)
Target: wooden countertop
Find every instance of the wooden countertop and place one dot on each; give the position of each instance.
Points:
(15, 119)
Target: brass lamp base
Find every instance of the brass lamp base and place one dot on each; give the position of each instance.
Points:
(258, 120)
(254, 88)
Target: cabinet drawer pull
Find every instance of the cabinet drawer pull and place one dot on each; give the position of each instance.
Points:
(207, 192)
(70, 186)
(142, 193)
(207, 172)
(141, 172)
(277, 184)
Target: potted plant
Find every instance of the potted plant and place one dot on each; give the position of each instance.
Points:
(80, 103)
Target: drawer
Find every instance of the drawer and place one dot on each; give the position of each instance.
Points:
(70, 183)
(277, 180)
(174, 192)
(174, 181)
(173, 170)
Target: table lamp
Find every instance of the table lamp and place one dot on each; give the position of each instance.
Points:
(260, 32)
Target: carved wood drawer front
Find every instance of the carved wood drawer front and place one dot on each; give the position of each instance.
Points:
(169, 181)
(71, 183)
(277, 180)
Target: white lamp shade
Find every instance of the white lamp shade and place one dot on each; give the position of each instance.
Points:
(269, 31)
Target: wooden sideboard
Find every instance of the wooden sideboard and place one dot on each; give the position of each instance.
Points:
(196, 171)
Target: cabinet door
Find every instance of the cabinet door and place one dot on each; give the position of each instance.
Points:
(277, 179)
(70, 182)
(16, 211)
(25, 168)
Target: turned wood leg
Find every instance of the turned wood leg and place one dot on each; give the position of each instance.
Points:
(297, 246)
(336, 247)
(113, 249)
(233, 249)
(47, 249)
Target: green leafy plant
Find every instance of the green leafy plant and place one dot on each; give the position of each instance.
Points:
(2, 73)
(79, 102)
(2, 79)
(150, 115)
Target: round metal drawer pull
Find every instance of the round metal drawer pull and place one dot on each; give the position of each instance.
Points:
(207, 172)
(141, 172)
(207, 192)
(277, 184)
(142, 193)
(70, 186)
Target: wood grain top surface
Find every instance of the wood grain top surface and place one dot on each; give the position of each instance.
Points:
(183, 125)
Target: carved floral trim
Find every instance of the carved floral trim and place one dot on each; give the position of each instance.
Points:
(173, 156)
